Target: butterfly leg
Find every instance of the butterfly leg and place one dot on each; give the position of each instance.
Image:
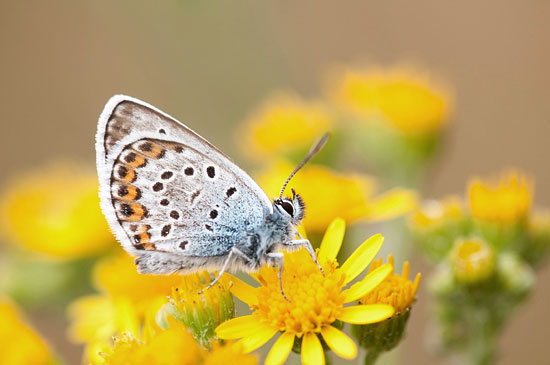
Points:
(222, 271)
(277, 259)
(304, 242)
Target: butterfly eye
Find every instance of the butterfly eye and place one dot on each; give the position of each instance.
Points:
(287, 206)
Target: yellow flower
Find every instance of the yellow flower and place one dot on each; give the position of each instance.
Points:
(504, 202)
(396, 290)
(230, 353)
(19, 343)
(174, 345)
(281, 124)
(126, 299)
(203, 312)
(316, 301)
(56, 211)
(328, 193)
(434, 213)
(472, 260)
(411, 102)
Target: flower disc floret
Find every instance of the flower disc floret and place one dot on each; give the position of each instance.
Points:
(315, 300)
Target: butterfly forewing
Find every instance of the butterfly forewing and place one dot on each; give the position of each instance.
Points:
(165, 190)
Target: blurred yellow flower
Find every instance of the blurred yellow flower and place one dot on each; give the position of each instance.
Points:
(472, 260)
(328, 193)
(283, 123)
(504, 202)
(316, 301)
(127, 298)
(433, 213)
(19, 344)
(230, 353)
(56, 211)
(396, 290)
(174, 345)
(410, 101)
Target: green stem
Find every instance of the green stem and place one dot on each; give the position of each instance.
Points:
(371, 357)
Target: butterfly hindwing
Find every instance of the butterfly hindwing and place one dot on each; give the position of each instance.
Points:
(170, 196)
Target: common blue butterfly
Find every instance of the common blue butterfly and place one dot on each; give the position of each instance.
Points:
(179, 204)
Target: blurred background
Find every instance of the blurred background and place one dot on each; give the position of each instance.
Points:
(209, 64)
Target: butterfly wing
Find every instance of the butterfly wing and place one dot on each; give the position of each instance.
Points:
(170, 196)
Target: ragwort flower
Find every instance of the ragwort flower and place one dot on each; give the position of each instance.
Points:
(299, 121)
(56, 211)
(326, 191)
(504, 202)
(171, 346)
(126, 298)
(316, 301)
(410, 102)
(397, 291)
(20, 344)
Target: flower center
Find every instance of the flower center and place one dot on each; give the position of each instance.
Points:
(315, 300)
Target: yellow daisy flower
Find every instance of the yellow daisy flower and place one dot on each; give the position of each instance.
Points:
(316, 301)
(173, 345)
(55, 211)
(19, 343)
(286, 114)
(472, 260)
(409, 101)
(434, 213)
(504, 202)
(326, 191)
(396, 290)
(126, 298)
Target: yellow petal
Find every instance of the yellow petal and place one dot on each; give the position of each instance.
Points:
(332, 240)
(339, 342)
(259, 338)
(370, 282)
(240, 289)
(280, 350)
(239, 327)
(364, 314)
(361, 257)
(391, 204)
(312, 351)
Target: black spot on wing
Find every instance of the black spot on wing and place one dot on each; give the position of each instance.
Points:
(211, 172)
(165, 230)
(158, 186)
(213, 213)
(166, 175)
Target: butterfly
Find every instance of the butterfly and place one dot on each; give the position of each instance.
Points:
(179, 204)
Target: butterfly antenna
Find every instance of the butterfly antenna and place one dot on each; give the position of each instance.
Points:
(318, 146)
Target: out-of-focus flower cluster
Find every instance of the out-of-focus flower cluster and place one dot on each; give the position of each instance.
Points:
(486, 249)
(384, 121)
(133, 318)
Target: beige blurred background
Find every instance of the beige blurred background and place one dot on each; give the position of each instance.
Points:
(209, 63)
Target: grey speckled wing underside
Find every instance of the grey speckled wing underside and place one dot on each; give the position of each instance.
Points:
(170, 196)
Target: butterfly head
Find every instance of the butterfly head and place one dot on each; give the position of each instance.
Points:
(291, 208)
